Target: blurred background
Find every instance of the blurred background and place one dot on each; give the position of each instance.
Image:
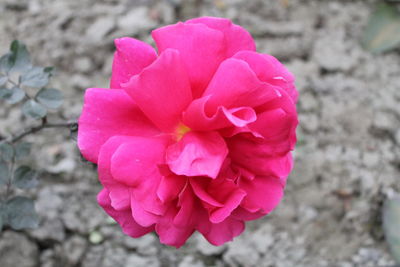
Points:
(347, 157)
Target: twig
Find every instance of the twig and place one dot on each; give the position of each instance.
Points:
(35, 129)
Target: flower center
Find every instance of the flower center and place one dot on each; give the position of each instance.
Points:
(181, 130)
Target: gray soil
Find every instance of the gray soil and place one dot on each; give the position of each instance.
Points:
(347, 157)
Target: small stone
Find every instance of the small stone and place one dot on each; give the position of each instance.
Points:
(136, 21)
(74, 249)
(136, 260)
(83, 64)
(99, 29)
(17, 251)
(190, 261)
(206, 248)
(50, 230)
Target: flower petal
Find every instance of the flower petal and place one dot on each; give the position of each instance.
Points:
(171, 185)
(162, 90)
(131, 57)
(202, 50)
(270, 70)
(236, 37)
(197, 154)
(220, 233)
(236, 85)
(196, 118)
(107, 113)
(221, 196)
(263, 193)
(169, 233)
(256, 157)
(124, 218)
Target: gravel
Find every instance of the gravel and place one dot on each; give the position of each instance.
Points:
(347, 155)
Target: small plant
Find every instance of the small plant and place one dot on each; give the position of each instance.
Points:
(383, 29)
(23, 83)
(391, 224)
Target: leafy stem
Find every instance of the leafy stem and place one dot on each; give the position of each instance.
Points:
(44, 125)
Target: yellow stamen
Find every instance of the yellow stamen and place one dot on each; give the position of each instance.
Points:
(181, 130)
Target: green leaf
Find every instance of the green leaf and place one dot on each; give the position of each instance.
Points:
(383, 29)
(22, 150)
(5, 93)
(391, 223)
(13, 95)
(21, 213)
(6, 63)
(3, 215)
(51, 98)
(25, 177)
(35, 77)
(33, 109)
(6, 151)
(20, 58)
(4, 173)
(3, 80)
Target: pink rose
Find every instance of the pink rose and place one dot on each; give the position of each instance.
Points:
(196, 137)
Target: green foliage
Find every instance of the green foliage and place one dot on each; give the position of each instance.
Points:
(391, 224)
(17, 63)
(383, 29)
(4, 172)
(6, 151)
(50, 98)
(25, 177)
(33, 109)
(22, 150)
(20, 213)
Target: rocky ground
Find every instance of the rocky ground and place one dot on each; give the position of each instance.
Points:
(347, 158)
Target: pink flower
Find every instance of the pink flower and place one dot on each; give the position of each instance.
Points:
(196, 137)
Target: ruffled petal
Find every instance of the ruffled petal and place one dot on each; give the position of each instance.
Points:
(135, 164)
(270, 70)
(278, 129)
(236, 37)
(263, 193)
(171, 234)
(107, 113)
(221, 196)
(162, 90)
(197, 154)
(220, 233)
(256, 157)
(201, 48)
(131, 57)
(171, 185)
(235, 85)
(196, 118)
(124, 218)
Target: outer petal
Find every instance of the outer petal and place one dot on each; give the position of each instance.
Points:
(263, 193)
(169, 233)
(220, 233)
(202, 50)
(135, 164)
(131, 57)
(107, 113)
(197, 154)
(162, 90)
(124, 218)
(270, 70)
(256, 157)
(236, 37)
(119, 193)
(278, 129)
